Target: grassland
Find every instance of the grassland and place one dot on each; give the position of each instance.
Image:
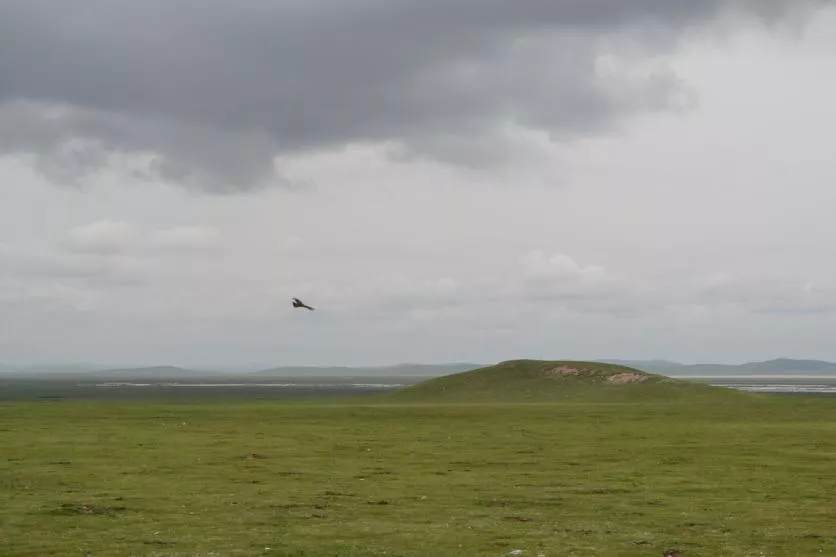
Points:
(748, 475)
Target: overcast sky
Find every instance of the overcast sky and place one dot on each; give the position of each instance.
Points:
(467, 180)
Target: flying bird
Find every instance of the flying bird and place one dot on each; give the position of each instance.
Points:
(297, 303)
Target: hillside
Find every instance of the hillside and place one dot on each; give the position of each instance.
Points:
(545, 381)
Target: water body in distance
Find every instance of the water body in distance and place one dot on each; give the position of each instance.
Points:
(58, 390)
(19, 389)
(785, 384)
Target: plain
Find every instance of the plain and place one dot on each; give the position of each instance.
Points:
(748, 475)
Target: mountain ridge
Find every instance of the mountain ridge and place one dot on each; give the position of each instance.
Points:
(774, 366)
(788, 366)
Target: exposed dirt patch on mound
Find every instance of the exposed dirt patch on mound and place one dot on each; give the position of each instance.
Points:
(561, 371)
(622, 378)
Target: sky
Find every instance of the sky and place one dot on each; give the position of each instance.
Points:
(443, 181)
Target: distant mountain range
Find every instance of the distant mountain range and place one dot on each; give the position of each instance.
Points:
(770, 367)
(396, 370)
(53, 368)
(664, 367)
(178, 373)
(155, 372)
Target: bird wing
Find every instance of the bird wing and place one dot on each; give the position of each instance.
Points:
(297, 303)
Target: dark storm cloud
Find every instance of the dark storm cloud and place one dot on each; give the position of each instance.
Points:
(214, 88)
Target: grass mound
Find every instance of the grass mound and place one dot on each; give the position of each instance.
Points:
(545, 381)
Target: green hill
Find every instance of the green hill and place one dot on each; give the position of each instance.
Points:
(547, 381)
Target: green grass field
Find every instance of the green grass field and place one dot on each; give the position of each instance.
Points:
(734, 475)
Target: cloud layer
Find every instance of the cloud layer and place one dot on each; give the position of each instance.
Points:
(703, 234)
(209, 92)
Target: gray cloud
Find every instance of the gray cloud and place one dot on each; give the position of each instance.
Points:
(770, 296)
(95, 269)
(95, 260)
(108, 237)
(101, 238)
(539, 286)
(210, 91)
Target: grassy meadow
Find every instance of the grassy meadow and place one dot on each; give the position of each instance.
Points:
(747, 475)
